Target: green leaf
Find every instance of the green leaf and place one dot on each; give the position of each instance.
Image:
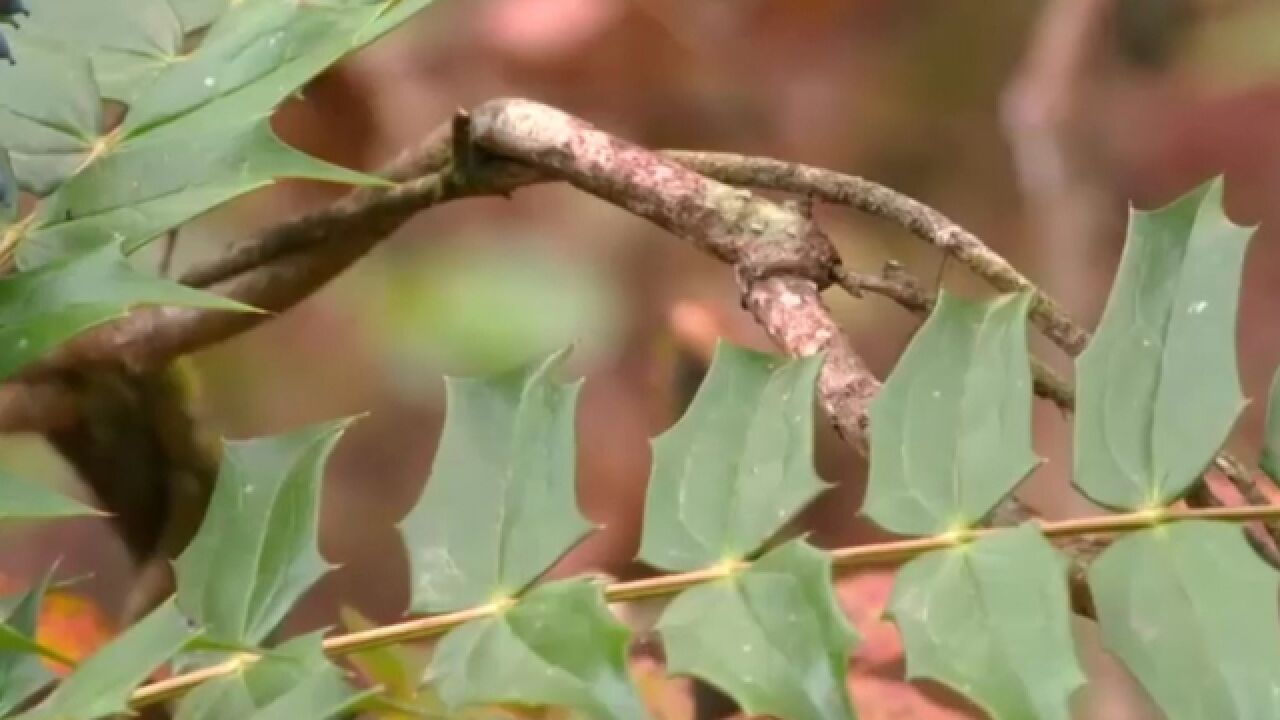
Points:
(22, 500)
(1191, 610)
(21, 671)
(50, 115)
(499, 508)
(397, 669)
(558, 646)
(991, 619)
(1158, 389)
(256, 55)
(101, 686)
(772, 637)
(256, 552)
(196, 14)
(18, 628)
(295, 680)
(1270, 461)
(253, 57)
(129, 42)
(142, 188)
(197, 132)
(739, 464)
(9, 191)
(951, 430)
(40, 309)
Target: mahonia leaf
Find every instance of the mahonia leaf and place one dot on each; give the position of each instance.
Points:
(42, 308)
(1158, 389)
(9, 191)
(992, 620)
(197, 14)
(1270, 461)
(143, 188)
(737, 466)
(295, 680)
(50, 114)
(499, 508)
(22, 500)
(256, 55)
(197, 131)
(101, 686)
(128, 42)
(397, 669)
(21, 671)
(1190, 608)
(256, 551)
(557, 646)
(951, 430)
(772, 637)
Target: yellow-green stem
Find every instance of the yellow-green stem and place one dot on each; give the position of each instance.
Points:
(847, 558)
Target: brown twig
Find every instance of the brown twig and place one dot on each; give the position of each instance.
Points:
(782, 258)
(902, 288)
(912, 215)
(935, 228)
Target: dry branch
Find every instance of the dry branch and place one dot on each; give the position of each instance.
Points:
(782, 259)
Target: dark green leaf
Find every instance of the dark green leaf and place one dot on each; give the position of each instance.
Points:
(991, 619)
(21, 671)
(9, 191)
(295, 680)
(256, 551)
(142, 188)
(772, 637)
(101, 686)
(50, 115)
(499, 508)
(40, 309)
(128, 41)
(22, 500)
(255, 56)
(1191, 610)
(197, 131)
(558, 646)
(737, 466)
(1158, 389)
(951, 430)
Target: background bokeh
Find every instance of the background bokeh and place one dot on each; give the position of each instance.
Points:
(1031, 123)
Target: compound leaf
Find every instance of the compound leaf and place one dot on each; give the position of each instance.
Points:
(101, 686)
(737, 466)
(196, 133)
(1190, 608)
(21, 671)
(991, 619)
(256, 551)
(1158, 388)
(951, 430)
(295, 680)
(772, 637)
(557, 646)
(50, 114)
(142, 188)
(499, 508)
(41, 309)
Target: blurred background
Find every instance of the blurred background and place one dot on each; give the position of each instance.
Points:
(1033, 124)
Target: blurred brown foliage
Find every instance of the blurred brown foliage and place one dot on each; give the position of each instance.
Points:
(905, 92)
